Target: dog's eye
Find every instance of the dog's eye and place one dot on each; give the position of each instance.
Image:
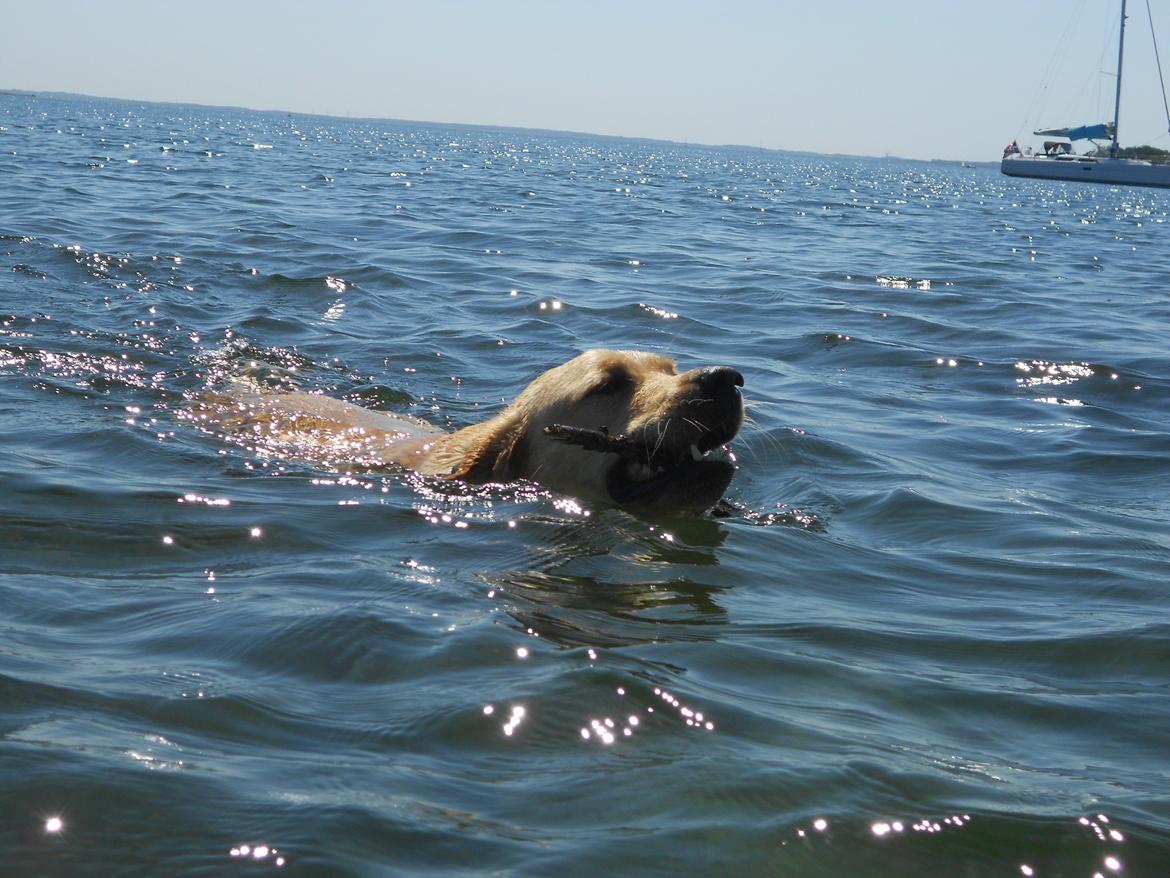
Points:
(615, 382)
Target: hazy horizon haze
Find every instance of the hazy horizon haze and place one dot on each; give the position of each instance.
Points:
(908, 78)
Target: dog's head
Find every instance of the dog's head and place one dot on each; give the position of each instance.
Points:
(623, 427)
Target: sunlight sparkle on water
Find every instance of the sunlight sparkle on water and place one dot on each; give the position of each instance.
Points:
(607, 730)
(693, 718)
(208, 501)
(517, 717)
(883, 828)
(1102, 830)
(54, 825)
(258, 852)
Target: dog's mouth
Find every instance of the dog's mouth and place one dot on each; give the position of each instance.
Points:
(694, 482)
(652, 475)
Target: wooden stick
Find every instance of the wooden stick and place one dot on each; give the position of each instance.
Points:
(599, 439)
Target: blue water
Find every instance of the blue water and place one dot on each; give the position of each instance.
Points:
(933, 639)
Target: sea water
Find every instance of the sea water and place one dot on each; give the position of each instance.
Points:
(932, 639)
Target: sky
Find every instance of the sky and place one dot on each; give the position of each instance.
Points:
(913, 78)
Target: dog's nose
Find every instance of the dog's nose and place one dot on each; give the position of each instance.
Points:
(716, 380)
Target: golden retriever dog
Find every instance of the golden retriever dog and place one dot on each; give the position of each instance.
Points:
(616, 427)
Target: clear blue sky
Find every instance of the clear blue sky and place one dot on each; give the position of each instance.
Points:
(917, 78)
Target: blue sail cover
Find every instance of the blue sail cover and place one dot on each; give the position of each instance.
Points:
(1091, 132)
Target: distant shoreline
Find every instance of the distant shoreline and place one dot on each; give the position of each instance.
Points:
(66, 95)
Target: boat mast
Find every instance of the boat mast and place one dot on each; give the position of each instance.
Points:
(1117, 99)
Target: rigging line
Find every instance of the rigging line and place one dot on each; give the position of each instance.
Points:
(1157, 57)
(1039, 108)
(1039, 99)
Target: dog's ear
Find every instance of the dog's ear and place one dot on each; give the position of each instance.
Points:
(491, 451)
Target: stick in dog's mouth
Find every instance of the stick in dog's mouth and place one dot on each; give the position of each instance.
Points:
(598, 439)
(625, 447)
(693, 477)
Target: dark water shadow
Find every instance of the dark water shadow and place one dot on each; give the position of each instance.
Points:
(614, 580)
(574, 611)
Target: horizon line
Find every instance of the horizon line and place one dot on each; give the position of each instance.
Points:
(53, 94)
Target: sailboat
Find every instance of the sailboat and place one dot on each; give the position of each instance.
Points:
(1059, 162)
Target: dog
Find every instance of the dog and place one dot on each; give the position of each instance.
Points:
(623, 428)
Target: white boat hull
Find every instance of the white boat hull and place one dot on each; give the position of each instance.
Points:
(1087, 169)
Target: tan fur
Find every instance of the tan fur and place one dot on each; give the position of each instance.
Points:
(625, 392)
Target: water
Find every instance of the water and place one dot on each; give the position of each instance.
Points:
(933, 639)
